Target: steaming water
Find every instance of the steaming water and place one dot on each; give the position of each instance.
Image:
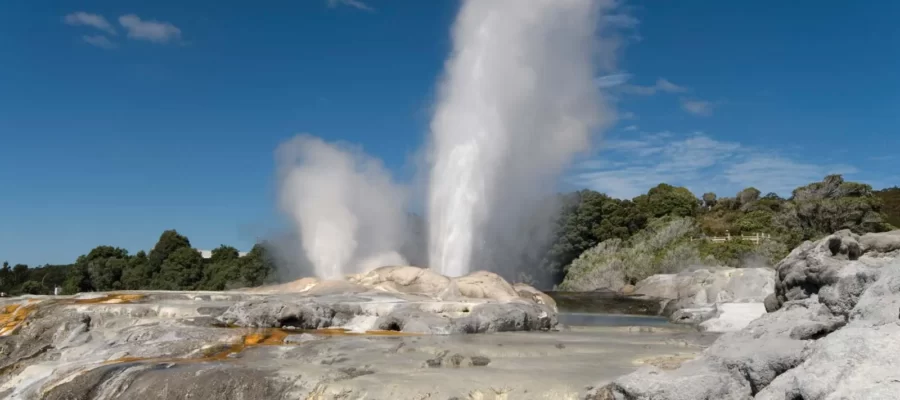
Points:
(348, 212)
(516, 103)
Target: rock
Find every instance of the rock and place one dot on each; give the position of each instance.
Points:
(834, 334)
(627, 289)
(693, 316)
(838, 263)
(403, 279)
(711, 285)
(731, 317)
(485, 285)
(539, 297)
(880, 243)
(301, 338)
(200, 345)
(695, 296)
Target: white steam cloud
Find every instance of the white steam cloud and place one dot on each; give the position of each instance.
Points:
(348, 213)
(516, 104)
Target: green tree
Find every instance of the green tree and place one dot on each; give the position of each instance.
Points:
(890, 200)
(104, 266)
(667, 200)
(20, 273)
(586, 219)
(257, 267)
(222, 269)
(6, 278)
(748, 195)
(182, 270)
(137, 273)
(169, 242)
(31, 287)
(709, 199)
(78, 279)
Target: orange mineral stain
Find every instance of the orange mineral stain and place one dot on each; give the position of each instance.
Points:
(113, 298)
(12, 316)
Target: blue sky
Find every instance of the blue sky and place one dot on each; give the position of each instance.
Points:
(121, 119)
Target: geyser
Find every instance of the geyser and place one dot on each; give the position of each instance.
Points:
(516, 103)
(347, 211)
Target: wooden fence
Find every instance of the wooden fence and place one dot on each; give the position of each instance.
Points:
(755, 238)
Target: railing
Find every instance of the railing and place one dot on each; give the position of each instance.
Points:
(755, 238)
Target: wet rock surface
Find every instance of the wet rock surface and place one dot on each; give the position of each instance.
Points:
(833, 332)
(412, 337)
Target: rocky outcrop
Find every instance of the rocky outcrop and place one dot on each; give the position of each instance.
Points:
(833, 333)
(728, 297)
(386, 335)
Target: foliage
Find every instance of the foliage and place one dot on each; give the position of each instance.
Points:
(813, 211)
(709, 200)
(664, 246)
(107, 268)
(588, 218)
(890, 201)
(667, 200)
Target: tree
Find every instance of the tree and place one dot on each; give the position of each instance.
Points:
(667, 200)
(6, 278)
(104, 266)
(748, 195)
(709, 200)
(20, 273)
(586, 219)
(257, 267)
(78, 279)
(890, 200)
(169, 242)
(222, 269)
(137, 273)
(31, 287)
(182, 270)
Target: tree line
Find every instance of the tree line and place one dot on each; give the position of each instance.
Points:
(596, 238)
(172, 264)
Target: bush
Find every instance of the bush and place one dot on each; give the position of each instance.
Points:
(664, 247)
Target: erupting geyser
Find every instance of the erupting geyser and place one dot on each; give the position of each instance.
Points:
(516, 103)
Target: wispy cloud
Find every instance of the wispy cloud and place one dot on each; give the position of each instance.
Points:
(630, 128)
(621, 20)
(149, 30)
(82, 18)
(629, 166)
(697, 107)
(661, 85)
(99, 41)
(351, 3)
(612, 80)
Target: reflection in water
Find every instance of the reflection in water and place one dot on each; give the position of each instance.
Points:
(595, 319)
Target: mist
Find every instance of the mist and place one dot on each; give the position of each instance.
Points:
(515, 105)
(348, 214)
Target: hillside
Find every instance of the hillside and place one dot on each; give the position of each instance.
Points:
(619, 242)
(890, 199)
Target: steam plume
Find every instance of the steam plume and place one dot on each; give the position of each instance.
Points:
(516, 103)
(348, 213)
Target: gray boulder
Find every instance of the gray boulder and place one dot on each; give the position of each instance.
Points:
(708, 293)
(834, 334)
